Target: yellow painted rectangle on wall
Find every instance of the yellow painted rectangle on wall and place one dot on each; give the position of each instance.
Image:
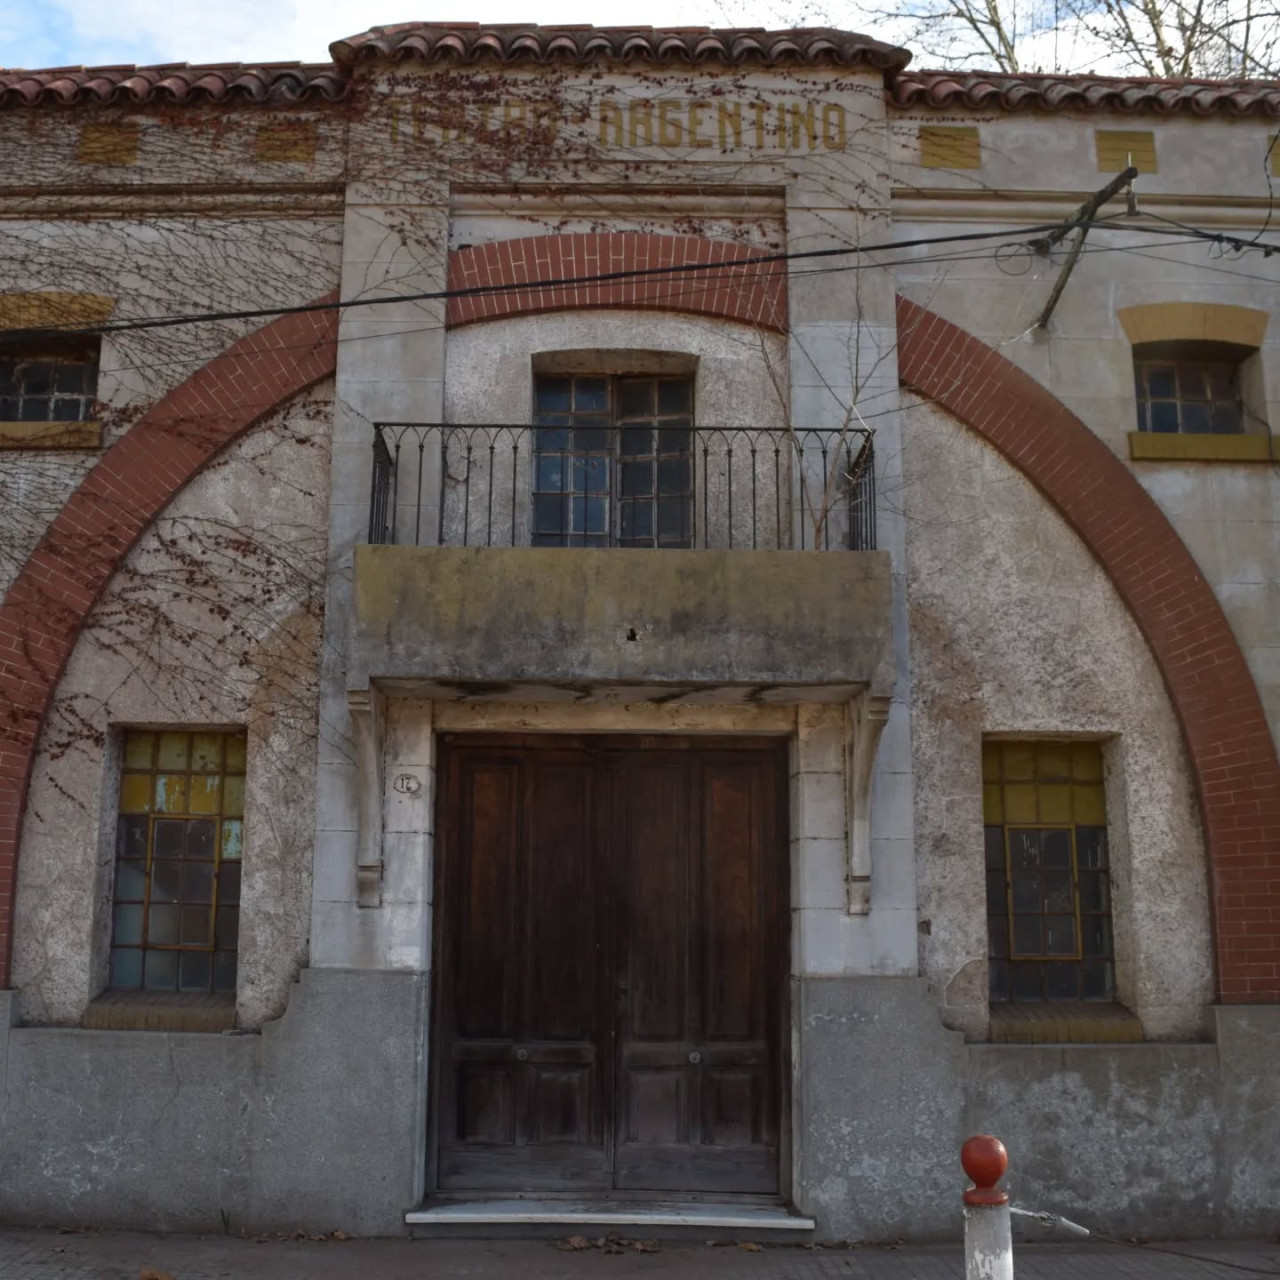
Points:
(949, 147)
(1119, 148)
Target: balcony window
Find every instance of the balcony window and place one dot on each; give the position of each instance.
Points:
(613, 462)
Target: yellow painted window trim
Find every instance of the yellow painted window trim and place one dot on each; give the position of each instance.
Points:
(48, 309)
(50, 435)
(1161, 446)
(1193, 322)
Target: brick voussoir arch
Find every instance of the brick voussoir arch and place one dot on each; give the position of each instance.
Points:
(50, 600)
(1213, 693)
(513, 274)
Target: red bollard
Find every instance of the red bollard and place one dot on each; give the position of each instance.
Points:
(988, 1236)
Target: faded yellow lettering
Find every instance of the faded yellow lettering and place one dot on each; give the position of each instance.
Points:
(545, 119)
(670, 131)
(610, 116)
(513, 115)
(834, 128)
(803, 118)
(486, 110)
(782, 124)
(419, 121)
(395, 122)
(730, 114)
(640, 120)
(759, 108)
(695, 139)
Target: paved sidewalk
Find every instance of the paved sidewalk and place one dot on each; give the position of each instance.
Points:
(110, 1255)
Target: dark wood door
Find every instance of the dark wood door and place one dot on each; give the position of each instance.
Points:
(610, 965)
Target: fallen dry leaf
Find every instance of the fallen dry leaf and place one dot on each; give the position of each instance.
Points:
(150, 1273)
(750, 1247)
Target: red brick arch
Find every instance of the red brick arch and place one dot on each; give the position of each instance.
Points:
(1213, 693)
(51, 599)
(751, 294)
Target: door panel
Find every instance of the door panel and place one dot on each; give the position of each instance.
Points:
(609, 966)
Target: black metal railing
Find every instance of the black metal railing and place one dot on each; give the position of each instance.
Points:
(502, 485)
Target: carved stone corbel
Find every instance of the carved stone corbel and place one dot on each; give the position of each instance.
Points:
(367, 720)
(866, 716)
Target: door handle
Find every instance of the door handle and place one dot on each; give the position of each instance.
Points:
(522, 1055)
(695, 1057)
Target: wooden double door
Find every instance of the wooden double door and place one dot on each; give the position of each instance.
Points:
(610, 965)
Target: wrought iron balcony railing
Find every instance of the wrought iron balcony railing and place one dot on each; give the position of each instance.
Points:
(503, 485)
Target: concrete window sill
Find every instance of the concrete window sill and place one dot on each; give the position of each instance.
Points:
(50, 435)
(160, 1011)
(1081, 1023)
(1154, 446)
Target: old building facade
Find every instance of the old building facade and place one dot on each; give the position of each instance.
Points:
(587, 624)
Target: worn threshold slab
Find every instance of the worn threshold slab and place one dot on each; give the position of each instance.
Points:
(609, 1213)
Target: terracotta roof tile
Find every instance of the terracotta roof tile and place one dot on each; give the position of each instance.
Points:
(996, 91)
(275, 82)
(469, 42)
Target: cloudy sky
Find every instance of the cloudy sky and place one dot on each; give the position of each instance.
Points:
(49, 33)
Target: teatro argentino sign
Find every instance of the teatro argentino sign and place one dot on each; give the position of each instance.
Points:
(721, 124)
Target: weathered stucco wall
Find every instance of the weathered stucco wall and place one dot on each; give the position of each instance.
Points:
(214, 620)
(1016, 630)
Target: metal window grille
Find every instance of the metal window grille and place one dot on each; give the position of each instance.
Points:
(1183, 393)
(48, 382)
(179, 836)
(1048, 873)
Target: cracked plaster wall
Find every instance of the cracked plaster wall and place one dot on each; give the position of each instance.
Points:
(153, 652)
(1015, 629)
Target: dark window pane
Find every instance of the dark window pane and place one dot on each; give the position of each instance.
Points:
(550, 472)
(673, 518)
(591, 439)
(67, 410)
(126, 968)
(999, 981)
(69, 377)
(590, 395)
(229, 884)
(1227, 418)
(202, 838)
(635, 397)
(556, 438)
(998, 937)
(1062, 981)
(8, 384)
(1055, 848)
(162, 925)
(675, 395)
(1057, 891)
(673, 475)
(131, 880)
(195, 926)
(1164, 415)
(166, 881)
(34, 409)
(1195, 417)
(39, 378)
(161, 972)
(597, 515)
(1095, 980)
(1028, 983)
(228, 927)
(595, 475)
(637, 479)
(993, 838)
(1161, 381)
(549, 514)
(131, 837)
(636, 442)
(127, 925)
(1024, 848)
(552, 395)
(195, 971)
(1026, 890)
(675, 440)
(1093, 892)
(224, 971)
(9, 409)
(637, 521)
(997, 893)
(197, 882)
(1097, 935)
(1028, 936)
(1091, 847)
(1060, 935)
(170, 837)
(1222, 381)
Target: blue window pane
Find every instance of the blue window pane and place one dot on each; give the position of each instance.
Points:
(549, 514)
(591, 395)
(1161, 381)
(162, 925)
(1164, 416)
(224, 971)
(635, 398)
(228, 926)
(637, 479)
(160, 972)
(674, 396)
(232, 840)
(67, 410)
(553, 436)
(166, 881)
(131, 837)
(126, 967)
(591, 439)
(195, 971)
(550, 472)
(131, 880)
(673, 475)
(197, 882)
(636, 442)
(637, 520)
(553, 395)
(597, 515)
(127, 925)
(195, 926)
